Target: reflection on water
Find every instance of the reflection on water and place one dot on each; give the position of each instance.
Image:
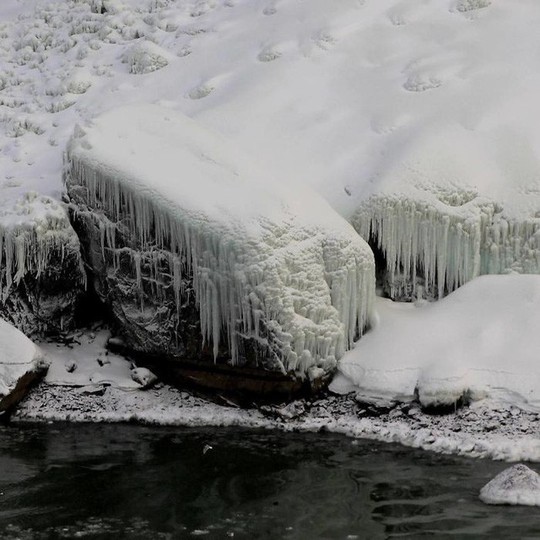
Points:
(122, 481)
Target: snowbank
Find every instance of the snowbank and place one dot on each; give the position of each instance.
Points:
(481, 340)
(269, 262)
(20, 363)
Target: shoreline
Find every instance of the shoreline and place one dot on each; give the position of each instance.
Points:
(485, 429)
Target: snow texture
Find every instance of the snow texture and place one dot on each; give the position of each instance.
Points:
(481, 340)
(271, 262)
(18, 356)
(516, 485)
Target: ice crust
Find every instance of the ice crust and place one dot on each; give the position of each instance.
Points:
(516, 485)
(18, 355)
(271, 262)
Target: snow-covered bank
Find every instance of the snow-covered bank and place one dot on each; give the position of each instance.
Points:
(481, 340)
(486, 429)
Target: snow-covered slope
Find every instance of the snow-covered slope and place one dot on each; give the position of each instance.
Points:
(482, 340)
(423, 108)
(268, 261)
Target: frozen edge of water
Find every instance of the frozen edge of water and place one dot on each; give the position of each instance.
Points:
(486, 429)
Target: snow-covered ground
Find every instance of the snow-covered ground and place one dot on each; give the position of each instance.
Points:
(415, 119)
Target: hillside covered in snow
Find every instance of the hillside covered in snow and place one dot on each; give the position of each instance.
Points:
(411, 121)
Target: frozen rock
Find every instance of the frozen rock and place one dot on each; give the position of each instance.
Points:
(516, 485)
(203, 258)
(21, 364)
(41, 273)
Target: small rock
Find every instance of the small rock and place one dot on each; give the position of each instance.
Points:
(70, 366)
(144, 377)
(516, 485)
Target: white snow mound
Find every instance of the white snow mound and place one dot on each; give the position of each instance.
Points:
(516, 485)
(272, 261)
(18, 356)
(480, 340)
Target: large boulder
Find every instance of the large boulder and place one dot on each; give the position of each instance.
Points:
(208, 265)
(21, 365)
(516, 485)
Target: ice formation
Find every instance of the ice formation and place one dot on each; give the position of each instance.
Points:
(446, 210)
(18, 356)
(272, 263)
(516, 485)
(30, 233)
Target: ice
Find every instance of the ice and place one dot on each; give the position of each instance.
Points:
(274, 263)
(516, 485)
(480, 341)
(18, 356)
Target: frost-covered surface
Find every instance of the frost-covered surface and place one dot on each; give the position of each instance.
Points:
(269, 262)
(481, 340)
(18, 356)
(516, 485)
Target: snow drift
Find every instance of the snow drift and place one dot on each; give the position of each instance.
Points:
(268, 263)
(481, 340)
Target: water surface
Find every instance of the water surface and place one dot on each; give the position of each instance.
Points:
(124, 481)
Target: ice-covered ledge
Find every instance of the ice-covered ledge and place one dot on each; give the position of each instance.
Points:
(41, 273)
(174, 221)
(453, 204)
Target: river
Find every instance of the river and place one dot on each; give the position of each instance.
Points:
(125, 481)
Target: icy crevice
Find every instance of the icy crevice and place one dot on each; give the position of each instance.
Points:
(303, 285)
(447, 244)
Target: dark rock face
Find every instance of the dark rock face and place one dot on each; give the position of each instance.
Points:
(43, 302)
(157, 330)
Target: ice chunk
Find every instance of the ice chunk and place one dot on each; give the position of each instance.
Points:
(516, 485)
(143, 376)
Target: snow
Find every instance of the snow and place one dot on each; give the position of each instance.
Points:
(516, 485)
(481, 340)
(18, 356)
(386, 108)
(273, 262)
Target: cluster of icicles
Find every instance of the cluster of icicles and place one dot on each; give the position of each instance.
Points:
(300, 294)
(27, 245)
(448, 247)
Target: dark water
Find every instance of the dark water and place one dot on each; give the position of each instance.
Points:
(122, 481)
